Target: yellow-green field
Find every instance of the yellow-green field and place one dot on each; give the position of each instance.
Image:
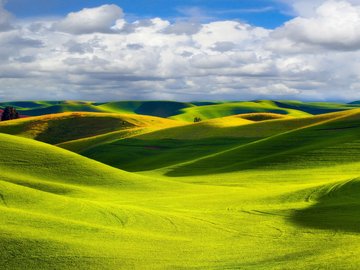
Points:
(264, 190)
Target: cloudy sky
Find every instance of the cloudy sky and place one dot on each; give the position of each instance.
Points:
(180, 50)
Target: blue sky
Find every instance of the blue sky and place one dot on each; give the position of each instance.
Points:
(180, 50)
(265, 13)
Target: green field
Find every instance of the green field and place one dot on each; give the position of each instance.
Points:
(184, 111)
(254, 185)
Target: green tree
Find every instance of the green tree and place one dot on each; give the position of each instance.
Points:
(9, 113)
(197, 119)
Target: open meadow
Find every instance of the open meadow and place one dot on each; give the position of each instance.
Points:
(140, 185)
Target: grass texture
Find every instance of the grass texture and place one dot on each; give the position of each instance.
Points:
(258, 191)
(184, 111)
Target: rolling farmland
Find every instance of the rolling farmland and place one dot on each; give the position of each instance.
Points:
(263, 188)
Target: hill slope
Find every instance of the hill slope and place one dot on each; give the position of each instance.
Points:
(185, 111)
(154, 108)
(329, 142)
(233, 108)
(169, 146)
(315, 107)
(61, 210)
(58, 128)
(288, 200)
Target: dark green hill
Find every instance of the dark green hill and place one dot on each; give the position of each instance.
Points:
(173, 145)
(327, 143)
(185, 111)
(314, 107)
(154, 108)
(63, 127)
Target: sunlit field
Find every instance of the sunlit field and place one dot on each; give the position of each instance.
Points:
(276, 189)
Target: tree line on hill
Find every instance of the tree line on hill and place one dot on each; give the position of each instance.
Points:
(9, 113)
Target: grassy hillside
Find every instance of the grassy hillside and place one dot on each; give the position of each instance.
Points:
(258, 191)
(315, 107)
(154, 108)
(236, 127)
(185, 111)
(61, 210)
(58, 128)
(67, 211)
(83, 144)
(232, 108)
(330, 142)
(37, 108)
(24, 105)
(173, 145)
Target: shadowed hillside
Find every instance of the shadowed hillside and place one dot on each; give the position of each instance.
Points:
(247, 191)
(58, 128)
(154, 108)
(172, 145)
(325, 143)
(185, 111)
(233, 108)
(336, 207)
(315, 107)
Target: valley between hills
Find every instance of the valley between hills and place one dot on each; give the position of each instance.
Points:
(139, 185)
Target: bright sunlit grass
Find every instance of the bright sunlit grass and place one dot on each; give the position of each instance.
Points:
(273, 194)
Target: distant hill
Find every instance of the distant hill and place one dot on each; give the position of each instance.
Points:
(233, 108)
(62, 127)
(357, 102)
(184, 111)
(327, 142)
(154, 108)
(316, 107)
(171, 145)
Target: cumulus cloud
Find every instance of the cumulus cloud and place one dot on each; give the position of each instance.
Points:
(306, 8)
(334, 25)
(223, 46)
(90, 20)
(183, 28)
(96, 54)
(278, 89)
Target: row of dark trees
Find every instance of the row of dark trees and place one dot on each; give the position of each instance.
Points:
(9, 113)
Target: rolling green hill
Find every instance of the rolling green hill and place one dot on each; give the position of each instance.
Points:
(63, 127)
(154, 108)
(247, 191)
(56, 207)
(185, 111)
(315, 107)
(326, 143)
(173, 145)
(233, 108)
(37, 108)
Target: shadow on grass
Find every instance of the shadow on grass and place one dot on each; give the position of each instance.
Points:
(327, 144)
(141, 155)
(337, 208)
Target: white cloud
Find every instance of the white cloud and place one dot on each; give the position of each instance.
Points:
(306, 8)
(334, 25)
(277, 89)
(96, 54)
(183, 28)
(90, 20)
